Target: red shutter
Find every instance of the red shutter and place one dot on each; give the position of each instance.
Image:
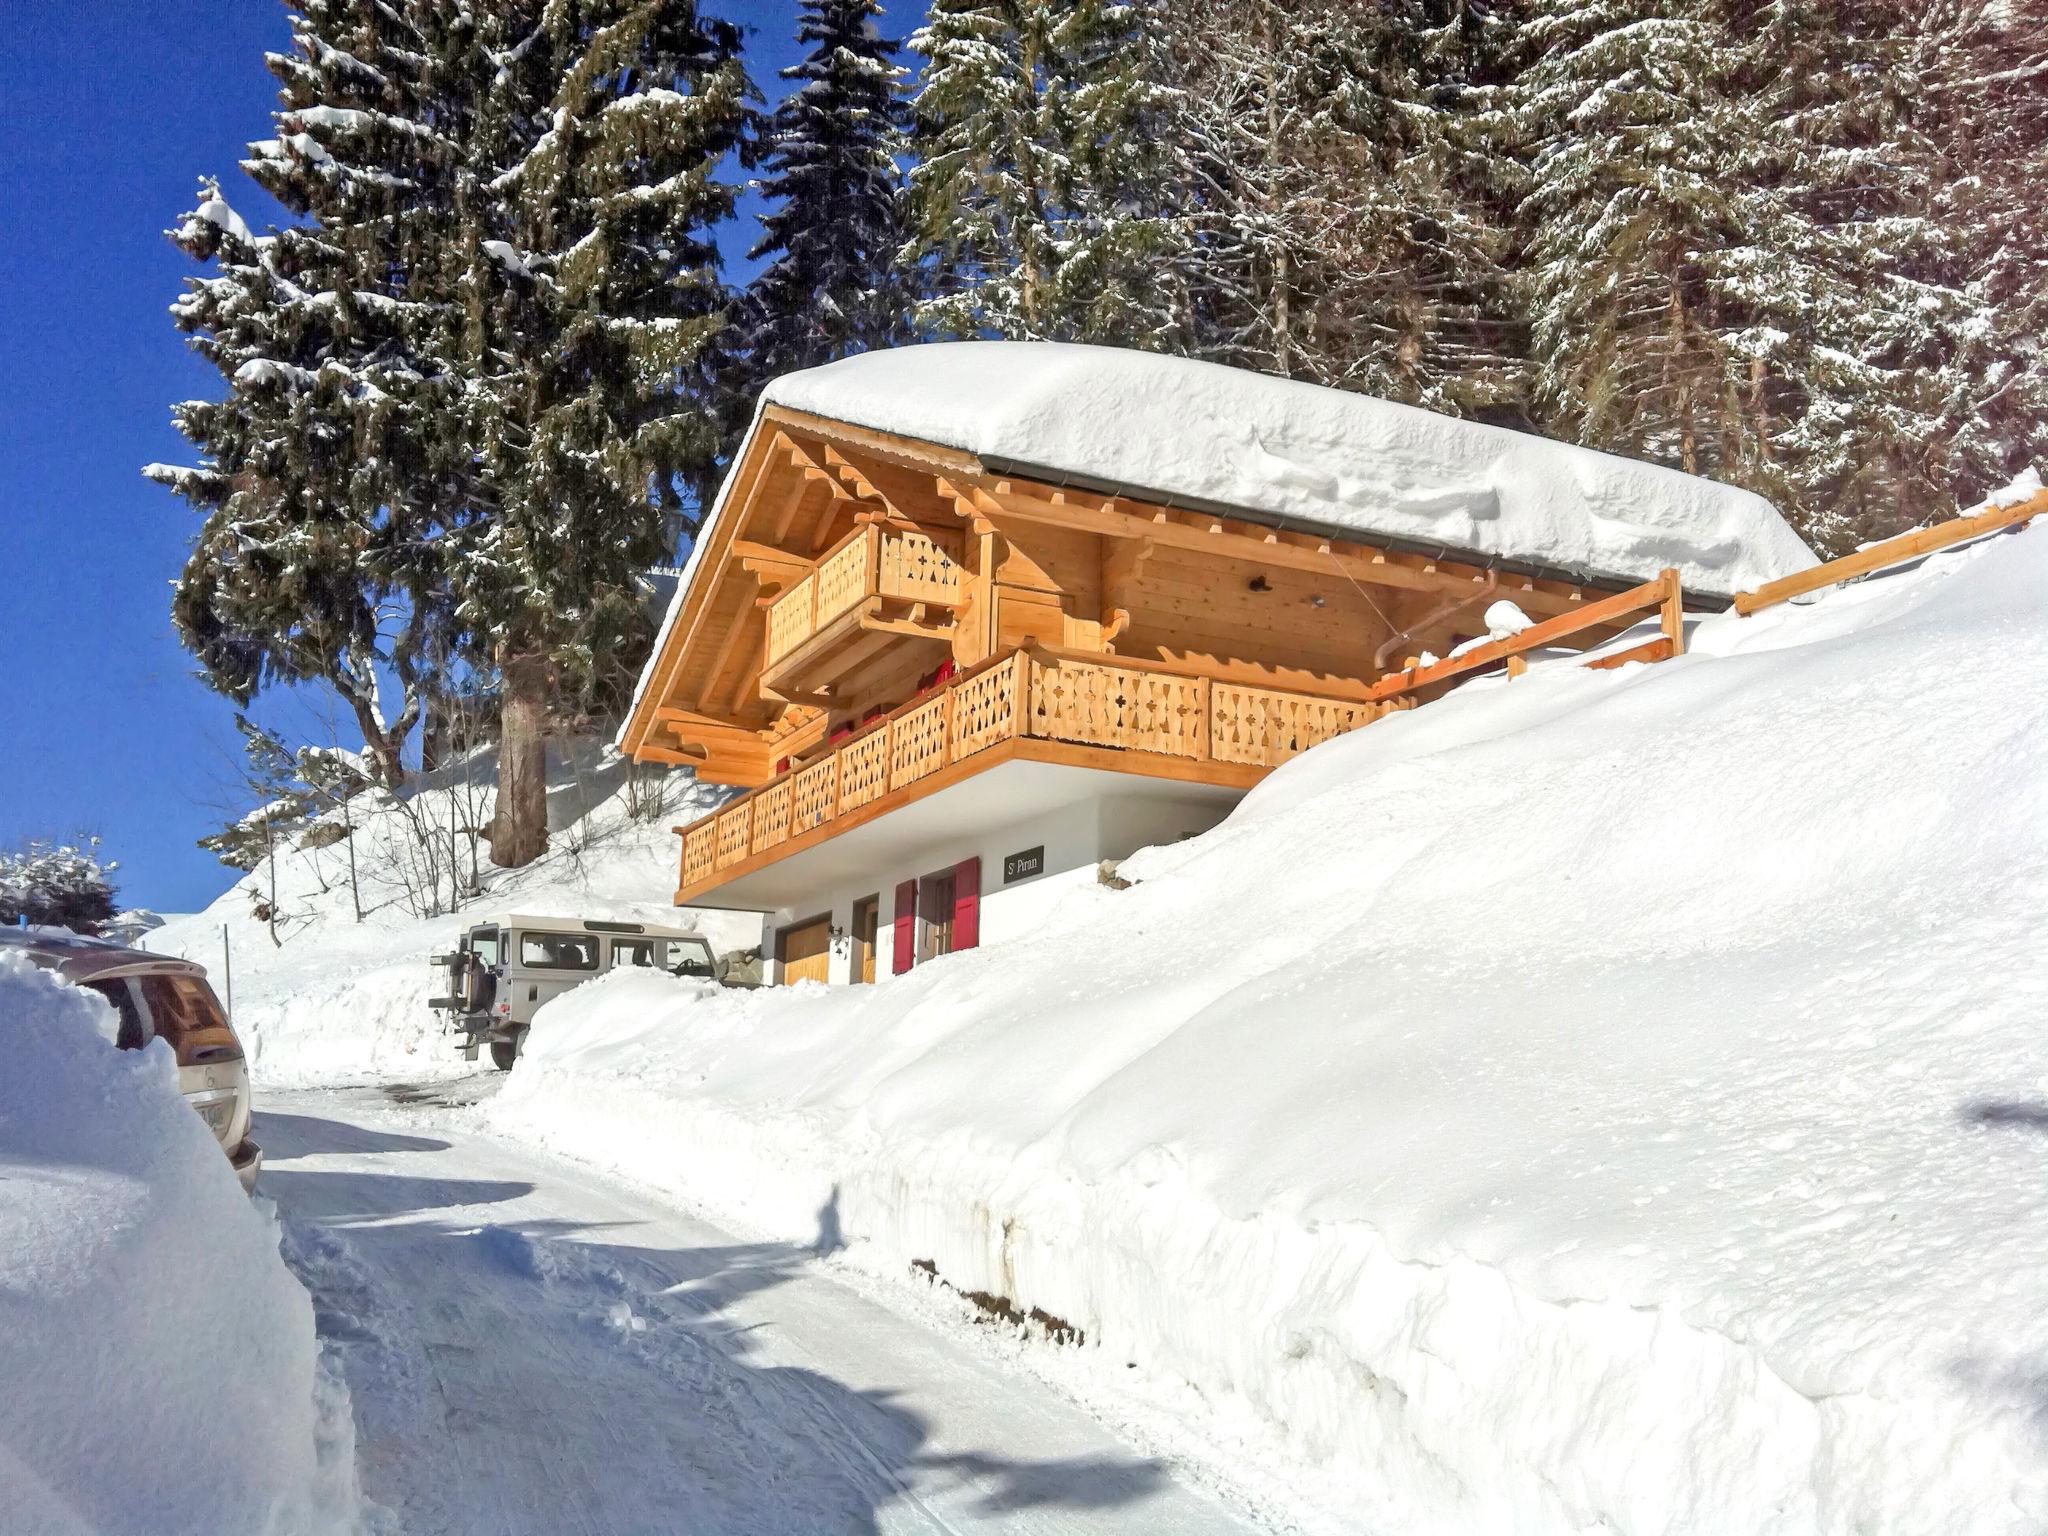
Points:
(906, 926)
(967, 904)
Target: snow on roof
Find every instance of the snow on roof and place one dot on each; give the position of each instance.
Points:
(1171, 429)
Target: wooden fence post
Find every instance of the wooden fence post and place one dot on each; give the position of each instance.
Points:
(1672, 614)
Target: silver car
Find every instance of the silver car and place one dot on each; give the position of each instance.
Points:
(158, 997)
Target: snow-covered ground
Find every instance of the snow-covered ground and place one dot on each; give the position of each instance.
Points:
(536, 1349)
(159, 1371)
(1595, 1101)
(331, 999)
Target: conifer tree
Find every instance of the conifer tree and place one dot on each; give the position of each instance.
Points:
(314, 560)
(592, 314)
(480, 368)
(1037, 204)
(61, 885)
(1330, 174)
(1732, 261)
(1987, 91)
(830, 149)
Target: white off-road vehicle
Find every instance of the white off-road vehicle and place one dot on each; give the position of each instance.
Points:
(505, 969)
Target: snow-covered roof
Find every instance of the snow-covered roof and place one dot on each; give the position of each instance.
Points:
(1209, 436)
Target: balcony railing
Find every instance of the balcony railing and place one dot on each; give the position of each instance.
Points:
(870, 562)
(1122, 706)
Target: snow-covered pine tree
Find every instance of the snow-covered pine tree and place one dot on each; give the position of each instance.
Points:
(60, 885)
(1037, 201)
(1863, 274)
(590, 312)
(1986, 68)
(489, 343)
(1637, 133)
(315, 559)
(1332, 178)
(1733, 263)
(830, 151)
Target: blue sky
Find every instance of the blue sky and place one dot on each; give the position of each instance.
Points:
(109, 111)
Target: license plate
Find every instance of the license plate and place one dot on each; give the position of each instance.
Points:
(217, 1115)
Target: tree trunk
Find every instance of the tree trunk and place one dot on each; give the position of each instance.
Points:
(519, 831)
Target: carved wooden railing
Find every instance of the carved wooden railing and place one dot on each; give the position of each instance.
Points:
(896, 563)
(1127, 705)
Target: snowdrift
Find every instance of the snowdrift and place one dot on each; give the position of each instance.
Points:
(159, 1364)
(336, 1000)
(1595, 1101)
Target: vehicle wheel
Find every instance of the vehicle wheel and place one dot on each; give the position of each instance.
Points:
(504, 1053)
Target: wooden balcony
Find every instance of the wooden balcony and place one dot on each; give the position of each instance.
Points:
(877, 584)
(1125, 715)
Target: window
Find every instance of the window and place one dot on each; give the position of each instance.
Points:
(558, 951)
(186, 1014)
(633, 952)
(133, 1034)
(484, 945)
(692, 957)
(937, 900)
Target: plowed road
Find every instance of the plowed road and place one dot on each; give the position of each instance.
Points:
(532, 1348)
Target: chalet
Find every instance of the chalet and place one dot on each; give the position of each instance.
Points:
(969, 620)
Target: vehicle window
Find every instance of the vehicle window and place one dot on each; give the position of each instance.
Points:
(484, 945)
(692, 957)
(632, 951)
(558, 951)
(133, 1034)
(188, 1016)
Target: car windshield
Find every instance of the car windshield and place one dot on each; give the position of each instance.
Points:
(558, 951)
(186, 1015)
(692, 957)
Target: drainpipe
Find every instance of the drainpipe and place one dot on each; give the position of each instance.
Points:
(1436, 616)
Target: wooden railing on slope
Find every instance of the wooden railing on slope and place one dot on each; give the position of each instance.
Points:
(1664, 594)
(1907, 546)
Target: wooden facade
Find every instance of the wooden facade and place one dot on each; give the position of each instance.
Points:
(871, 618)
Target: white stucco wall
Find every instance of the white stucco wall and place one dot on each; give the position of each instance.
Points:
(1077, 837)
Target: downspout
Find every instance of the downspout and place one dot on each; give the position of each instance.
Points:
(1436, 616)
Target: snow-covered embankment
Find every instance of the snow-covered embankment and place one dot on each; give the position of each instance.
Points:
(158, 1366)
(1601, 1100)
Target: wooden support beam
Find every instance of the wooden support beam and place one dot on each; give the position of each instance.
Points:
(1246, 542)
(785, 515)
(670, 757)
(703, 726)
(1907, 546)
(796, 699)
(746, 686)
(747, 551)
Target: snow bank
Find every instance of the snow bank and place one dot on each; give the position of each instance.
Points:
(159, 1364)
(333, 999)
(1595, 1101)
(1175, 429)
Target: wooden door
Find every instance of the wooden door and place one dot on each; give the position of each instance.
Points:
(867, 924)
(805, 951)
